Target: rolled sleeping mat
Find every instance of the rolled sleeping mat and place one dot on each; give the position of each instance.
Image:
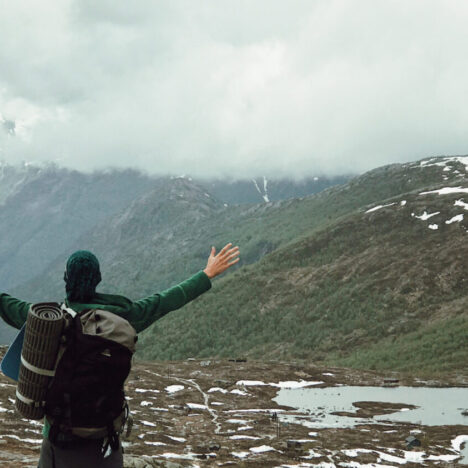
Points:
(43, 332)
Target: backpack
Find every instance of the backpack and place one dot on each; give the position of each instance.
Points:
(85, 398)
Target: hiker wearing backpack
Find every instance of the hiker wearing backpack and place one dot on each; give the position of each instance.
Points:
(85, 406)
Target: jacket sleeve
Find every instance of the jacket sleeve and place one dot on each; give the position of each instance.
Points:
(146, 311)
(13, 311)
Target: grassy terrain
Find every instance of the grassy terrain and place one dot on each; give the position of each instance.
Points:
(373, 290)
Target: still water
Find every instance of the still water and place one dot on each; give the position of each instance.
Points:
(435, 406)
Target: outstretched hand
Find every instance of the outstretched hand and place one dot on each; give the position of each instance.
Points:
(226, 257)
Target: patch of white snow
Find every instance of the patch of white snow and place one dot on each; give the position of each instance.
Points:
(196, 406)
(250, 382)
(459, 441)
(238, 392)
(262, 448)
(177, 439)
(217, 389)
(147, 423)
(378, 207)
(455, 219)
(461, 203)
(295, 384)
(241, 454)
(425, 215)
(174, 388)
(447, 190)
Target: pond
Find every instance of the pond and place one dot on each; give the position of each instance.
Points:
(435, 406)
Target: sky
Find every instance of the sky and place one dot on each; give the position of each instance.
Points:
(233, 88)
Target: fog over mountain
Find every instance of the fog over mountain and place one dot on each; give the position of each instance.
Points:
(281, 89)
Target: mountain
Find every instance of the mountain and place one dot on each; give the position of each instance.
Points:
(260, 189)
(356, 274)
(46, 212)
(381, 286)
(38, 202)
(43, 210)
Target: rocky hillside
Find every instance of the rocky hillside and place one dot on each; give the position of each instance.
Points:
(356, 274)
(381, 286)
(44, 210)
(263, 189)
(205, 413)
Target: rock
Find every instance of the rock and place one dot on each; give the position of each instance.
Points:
(222, 383)
(411, 442)
(205, 363)
(211, 446)
(136, 462)
(214, 446)
(293, 444)
(148, 462)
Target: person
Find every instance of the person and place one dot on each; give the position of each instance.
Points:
(82, 275)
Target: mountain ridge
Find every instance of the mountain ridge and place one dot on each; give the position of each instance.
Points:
(165, 235)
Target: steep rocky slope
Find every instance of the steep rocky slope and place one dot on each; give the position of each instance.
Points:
(383, 286)
(43, 210)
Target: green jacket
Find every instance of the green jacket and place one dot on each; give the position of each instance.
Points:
(141, 314)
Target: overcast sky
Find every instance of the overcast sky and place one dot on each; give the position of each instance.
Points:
(214, 87)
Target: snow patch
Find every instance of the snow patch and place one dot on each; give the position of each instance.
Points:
(29, 441)
(355, 452)
(237, 421)
(461, 203)
(444, 161)
(250, 382)
(262, 448)
(447, 190)
(459, 441)
(217, 389)
(174, 388)
(177, 439)
(455, 219)
(147, 423)
(295, 384)
(434, 227)
(425, 215)
(238, 392)
(145, 390)
(196, 406)
(378, 207)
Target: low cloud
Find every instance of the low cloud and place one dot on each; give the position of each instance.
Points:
(233, 88)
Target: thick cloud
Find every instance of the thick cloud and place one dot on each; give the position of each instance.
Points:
(233, 88)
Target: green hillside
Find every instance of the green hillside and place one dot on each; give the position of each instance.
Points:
(320, 277)
(375, 290)
(166, 234)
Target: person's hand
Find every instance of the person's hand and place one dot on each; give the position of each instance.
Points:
(226, 257)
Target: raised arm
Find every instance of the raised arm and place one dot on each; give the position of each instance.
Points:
(13, 311)
(146, 311)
